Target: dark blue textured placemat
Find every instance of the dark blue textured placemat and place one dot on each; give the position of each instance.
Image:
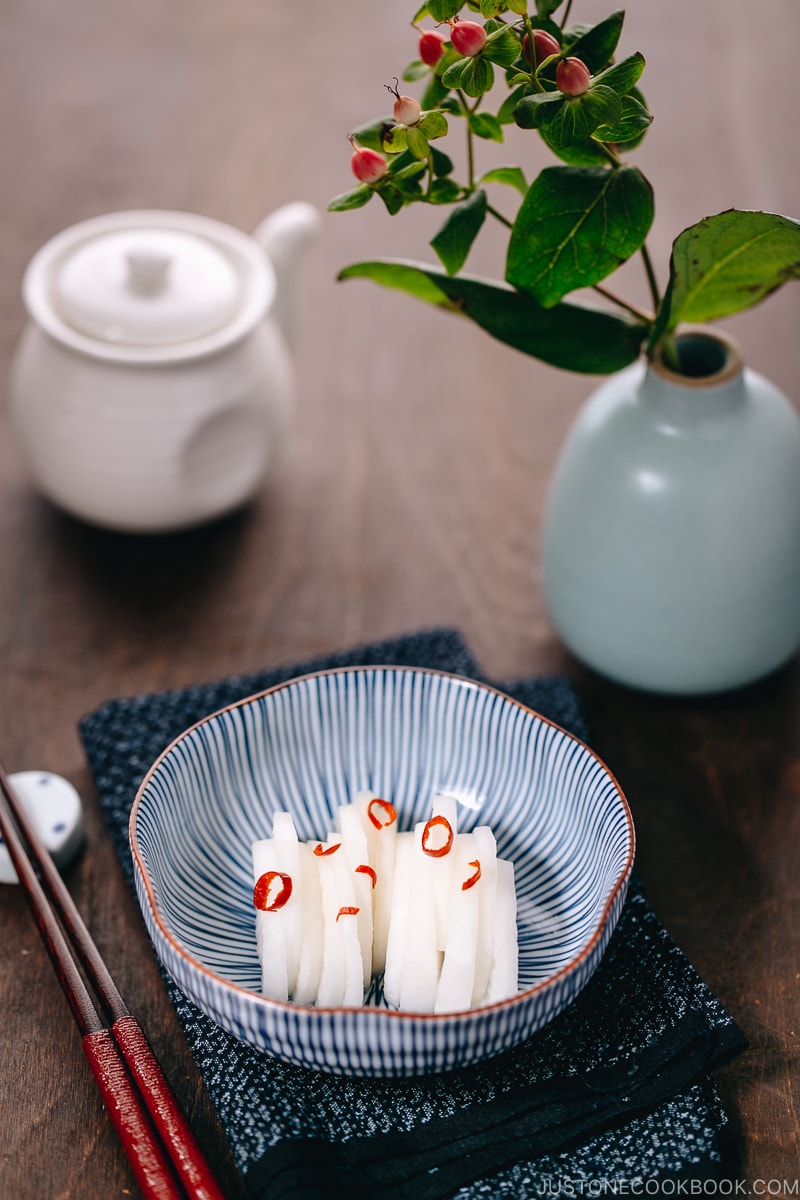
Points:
(616, 1087)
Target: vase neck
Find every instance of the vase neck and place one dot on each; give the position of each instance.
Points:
(715, 388)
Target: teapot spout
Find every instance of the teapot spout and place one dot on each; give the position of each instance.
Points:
(283, 235)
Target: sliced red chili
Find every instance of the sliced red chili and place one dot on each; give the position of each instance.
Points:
(346, 911)
(367, 870)
(261, 891)
(437, 822)
(474, 877)
(388, 813)
(321, 851)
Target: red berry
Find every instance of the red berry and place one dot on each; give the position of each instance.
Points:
(544, 44)
(572, 77)
(407, 110)
(431, 46)
(467, 37)
(368, 165)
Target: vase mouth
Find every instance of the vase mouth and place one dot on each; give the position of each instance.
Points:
(707, 358)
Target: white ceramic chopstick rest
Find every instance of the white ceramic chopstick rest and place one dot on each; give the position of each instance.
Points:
(54, 808)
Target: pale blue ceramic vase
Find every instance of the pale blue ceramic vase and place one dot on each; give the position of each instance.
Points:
(671, 552)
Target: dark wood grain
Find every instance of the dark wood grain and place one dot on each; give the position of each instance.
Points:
(410, 493)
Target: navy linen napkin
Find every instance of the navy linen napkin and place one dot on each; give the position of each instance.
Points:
(615, 1088)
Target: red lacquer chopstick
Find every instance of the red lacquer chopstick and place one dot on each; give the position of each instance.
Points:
(158, 1140)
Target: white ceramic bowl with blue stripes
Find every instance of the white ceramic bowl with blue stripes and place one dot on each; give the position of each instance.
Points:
(308, 746)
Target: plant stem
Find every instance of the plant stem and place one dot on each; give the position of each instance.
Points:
(651, 277)
(639, 313)
(499, 217)
(470, 147)
(565, 18)
(534, 76)
(612, 157)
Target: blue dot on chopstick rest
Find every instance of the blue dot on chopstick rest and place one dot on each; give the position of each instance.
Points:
(54, 808)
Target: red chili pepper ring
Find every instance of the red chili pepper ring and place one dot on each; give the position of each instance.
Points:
(474, 877)
(366, 869)
(437, 822)
(261, 891)
(381, 812)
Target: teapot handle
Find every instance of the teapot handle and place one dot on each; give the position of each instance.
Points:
(283, 235)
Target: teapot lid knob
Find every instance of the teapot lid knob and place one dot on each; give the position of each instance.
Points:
(147, 271)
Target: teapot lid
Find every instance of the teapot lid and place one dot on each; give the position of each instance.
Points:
(149, 286)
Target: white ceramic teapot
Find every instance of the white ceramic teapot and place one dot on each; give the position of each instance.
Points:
(153, 380)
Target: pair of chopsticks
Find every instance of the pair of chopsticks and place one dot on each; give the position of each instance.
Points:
(164, 1153)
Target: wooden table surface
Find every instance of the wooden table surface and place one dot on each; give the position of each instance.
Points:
(410, 494)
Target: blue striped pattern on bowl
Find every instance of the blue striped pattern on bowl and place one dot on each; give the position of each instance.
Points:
(308, 746)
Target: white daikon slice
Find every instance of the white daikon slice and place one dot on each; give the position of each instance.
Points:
(419, 978)
(457, 978)
(487, 894)
(311, 951)
(330, 993)
(361, 805)
(270, 928)
(402, 913)
(354, 845)
(444, 806)
(284, 836)
(346, 918)
(503, 979)
(382, 859)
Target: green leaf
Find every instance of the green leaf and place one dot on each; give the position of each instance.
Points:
(395, 139)
(434, 93)
(391, 196)
(359, 196)
(433, 125)
(454, 240)
(596, 47)
(623, 76)
(442, 164)
(440, 10)
(448, 58)
(373, 133)
(505, 113)
(408, 178)
(568, 336)
(444, 191)
(477, 77)
(727, 263)
(398, 163)
(520, 7)
(452, 104)
(527, 111)
(415, 70)
(453, 75)
(484, 125)
(501, 47)
(575, 226)
(545, 7)
(417, 142)
(633, 123)
(576, 119)
(490, 8)
(512, 176)
(581, 154)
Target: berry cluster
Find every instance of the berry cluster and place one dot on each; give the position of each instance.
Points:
(577, 220)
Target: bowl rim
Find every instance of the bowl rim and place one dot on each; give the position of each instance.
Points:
(289, 1006)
